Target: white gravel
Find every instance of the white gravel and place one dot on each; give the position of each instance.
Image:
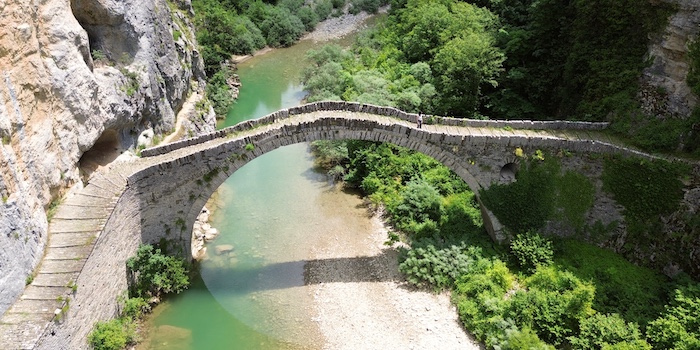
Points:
(366, 305)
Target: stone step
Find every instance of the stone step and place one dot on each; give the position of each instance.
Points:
(68, 253)
(77, 225)
(80, 200)
(93, 191)
(115, 180)
(68, 211)
(58, 240)
(22, 330)
(97, 182)
(35, 306)
(61, 266)
(54, 279)
(44, 293)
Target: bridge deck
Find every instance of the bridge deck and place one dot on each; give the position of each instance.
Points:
(78, 222)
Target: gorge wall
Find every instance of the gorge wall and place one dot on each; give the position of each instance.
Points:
(665, 91)
(81, 80)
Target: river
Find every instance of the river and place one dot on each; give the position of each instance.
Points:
(275, 211)
(309, 268)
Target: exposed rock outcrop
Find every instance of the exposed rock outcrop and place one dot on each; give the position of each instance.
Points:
(81, 79)
(665, 91)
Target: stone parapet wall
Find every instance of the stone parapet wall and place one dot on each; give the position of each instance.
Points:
(375, 110)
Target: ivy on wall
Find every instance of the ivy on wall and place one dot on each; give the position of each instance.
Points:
(647, 190)
(541, 193)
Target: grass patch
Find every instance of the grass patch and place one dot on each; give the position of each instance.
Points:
(636, 293)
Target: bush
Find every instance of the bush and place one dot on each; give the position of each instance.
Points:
(427, 263)
(553, 304)
(636, 293)
(219, 93)
(420, 202)
(309, 17)
(679, 326)
(531, 250)
(323, 9)
(602, 330)
(369, 6)
(480, 297)
(154, 273)
(516, 339)
(134, 308)
(112, 335)
(461, 218)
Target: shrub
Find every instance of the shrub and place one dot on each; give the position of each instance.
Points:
(439, 267)
(134, 308)
(553, 304)
(516, 339)
(309, 17)
(636, 293)
(532, 250)
(679, 326)
(602, 330)
(461, 218)
(112, 335)
(154, 273)
(323, 9)
(219, 93)
(420, 202)
(480, 297)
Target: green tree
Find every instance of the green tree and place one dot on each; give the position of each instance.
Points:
(553, 304)
(420, 202)
(154, 273)
(281, 27)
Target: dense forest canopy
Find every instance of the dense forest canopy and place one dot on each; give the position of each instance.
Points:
(512, 59)
(497, 59)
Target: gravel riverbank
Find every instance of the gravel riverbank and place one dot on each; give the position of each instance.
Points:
(362, 302)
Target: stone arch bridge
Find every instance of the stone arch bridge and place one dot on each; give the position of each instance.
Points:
(158, 197)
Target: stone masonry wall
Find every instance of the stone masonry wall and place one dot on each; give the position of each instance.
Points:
(102, 279)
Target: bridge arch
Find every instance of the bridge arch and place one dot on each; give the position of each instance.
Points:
(181, 177)
(204, 172)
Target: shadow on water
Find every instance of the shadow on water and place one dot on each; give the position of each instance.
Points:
(304, 272)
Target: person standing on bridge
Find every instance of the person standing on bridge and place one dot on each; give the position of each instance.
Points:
(419, 120)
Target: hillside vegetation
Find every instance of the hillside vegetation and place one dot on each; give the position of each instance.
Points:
(543, 59)
(516, 59)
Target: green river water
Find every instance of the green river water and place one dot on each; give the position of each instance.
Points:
(272, 211)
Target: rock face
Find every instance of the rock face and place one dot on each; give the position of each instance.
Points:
(669, 52)
(80, 81)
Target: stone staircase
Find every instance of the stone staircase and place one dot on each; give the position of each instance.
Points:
(73, 231)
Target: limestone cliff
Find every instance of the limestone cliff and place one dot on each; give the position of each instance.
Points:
(80, 81)
(665, 91)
